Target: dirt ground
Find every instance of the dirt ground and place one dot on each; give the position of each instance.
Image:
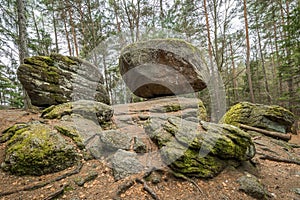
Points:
(279, 178)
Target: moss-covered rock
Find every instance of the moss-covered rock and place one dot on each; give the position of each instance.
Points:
(88, 109)
(56, 79)
(72, 133)
(162, 67)
(273, 118)
(9, 132)
(36, 149)
(201, 150)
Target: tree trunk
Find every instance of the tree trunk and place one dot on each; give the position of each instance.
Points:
(213, 82)
(72, 28)
(277, 54)
(63, 16)
(137, 21)
(233, 72)
(263, 63)
(216, 51)
(289, 62)
(161, 14)
(130, 21)
(55, 29)
(22, 41)
(248, 54)
(37, 31)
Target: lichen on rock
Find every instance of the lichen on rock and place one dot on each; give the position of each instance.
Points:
(201, 150)
(273, 118)
(163, 67)
(36, 150)
(56, 79)
(92, 110)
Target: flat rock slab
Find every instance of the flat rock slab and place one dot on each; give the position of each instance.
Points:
(162, 67)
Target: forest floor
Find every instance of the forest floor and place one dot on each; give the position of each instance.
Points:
(279, 178)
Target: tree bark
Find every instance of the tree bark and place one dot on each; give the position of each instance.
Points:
(72, 28)
(55, 29)
(248, 54)
(263, 62)
(233, 72)
(63, 16)
(22, 41)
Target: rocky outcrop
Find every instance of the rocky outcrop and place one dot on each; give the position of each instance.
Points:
(36, 149)
(191, 109)
(144, 135)
(92, 110)
(162, 67)
(273, 118)
(56, 79)
(200, 150)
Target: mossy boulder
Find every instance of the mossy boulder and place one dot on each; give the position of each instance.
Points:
(163, 67)
(269, 117)
(201, 150)
(88, 109)
(37, 149)
(56, 79)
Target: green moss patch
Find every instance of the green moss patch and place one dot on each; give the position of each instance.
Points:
(172, 107)
(71, 133)
(56, 112)
(201, 150)
(38, 150)
(273, 118)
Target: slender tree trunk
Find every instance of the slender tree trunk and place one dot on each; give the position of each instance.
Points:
(137, 21)
(263, 64)
(91, 22)
(289, 62)
(67, 33)
(22, 41)
(161, 14)
(72, 28)
(55, 28)
(277, 55)
(36, 30)
(130, 21)
(248, 54)
(23, 51)
(233, 72)
(213, 79)
(216, 51)
(208, 30)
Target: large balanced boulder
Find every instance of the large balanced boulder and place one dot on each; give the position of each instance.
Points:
(37, 149)
(56, 79)
(273, 117)
(200, 150)
(163, 67)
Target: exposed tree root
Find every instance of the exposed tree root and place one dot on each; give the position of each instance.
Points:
(147, 188)
(276, 159)
(43, 184)
(123, 188)
(178, 175)
(56, 193)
